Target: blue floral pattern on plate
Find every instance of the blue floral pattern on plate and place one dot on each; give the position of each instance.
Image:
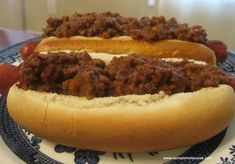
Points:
(28, 146)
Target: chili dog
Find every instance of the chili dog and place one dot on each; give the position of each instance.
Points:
(131, 104)
(112, 33)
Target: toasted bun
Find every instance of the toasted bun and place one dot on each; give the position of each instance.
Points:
(133, 123)
(126, 45)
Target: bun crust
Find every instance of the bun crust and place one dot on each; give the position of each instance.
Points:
(126, 45)
(132, 123)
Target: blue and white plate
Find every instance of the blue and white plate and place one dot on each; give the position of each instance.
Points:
(31, 149)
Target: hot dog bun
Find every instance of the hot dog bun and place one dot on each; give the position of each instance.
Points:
(126, 45)
(132, 123)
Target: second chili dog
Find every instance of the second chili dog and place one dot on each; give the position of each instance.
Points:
(111, 33)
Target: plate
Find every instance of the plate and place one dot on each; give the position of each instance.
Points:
(31, 149)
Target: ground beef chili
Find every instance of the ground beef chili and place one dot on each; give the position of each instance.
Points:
(199, 76)
(141, 75)
(74, 74)
(107, 25)
(78, 74)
